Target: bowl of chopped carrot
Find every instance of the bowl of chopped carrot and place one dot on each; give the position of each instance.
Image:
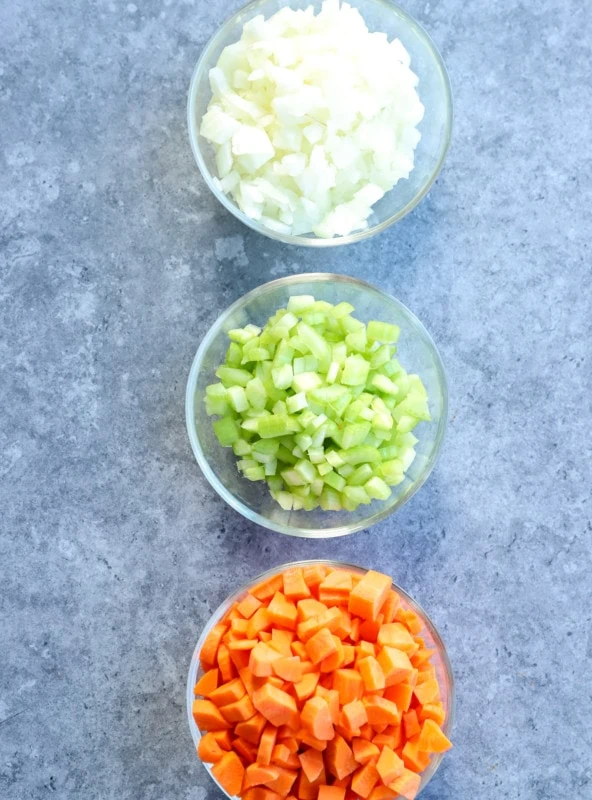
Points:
(316, 405)
(320, 680)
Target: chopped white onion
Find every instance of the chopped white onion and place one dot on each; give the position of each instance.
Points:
(313, 119)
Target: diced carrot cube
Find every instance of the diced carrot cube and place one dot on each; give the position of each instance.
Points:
(381, 711)
(266, 744)
(401, 694)
(314, 574)
(260, 621)
(372, 674)
(309, 608)
(334, 660)
(364, 780)
(370, 628)
(223, 738)
(281, 640)
(413, 756)
(316, 718)
(306, 687)
(246, 750)
(295, 587)
(411, 724)
(331, 696)
(262, 658)
(284, 781)
(266, 589)
(283, 757)
(209, 750)
(390, 606)
(257, 774)
(355, 716)
(433, 711)
(320, 646)
(207, 716)
(248, 605)
(427, 692)
(395, 664)
(239, 711)
(289, 669)
(229, 772)
(207, 683)
(209, 651)
(432, 738)
(312, 764)
(331, 793)
(349, 654)
(225, 665)
(277, 706)
(368, 596)
(421, 656)
(364, 751)
(406, 785)
(394, 634)
(389, 765)
(349, 684)
(252, 728)
(339, 758)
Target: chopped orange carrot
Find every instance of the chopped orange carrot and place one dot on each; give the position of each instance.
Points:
(260, 621)
(207, 716)
(238, 627)
(260, 793)
(349, 684)
(343, 629)
(320, 646)
(410, 619)
(264, 636)
(277, 706)
(334, 660)
(266, 589)
(389, 765)
(306, 687)
(349, 654)
(225, 665)
(316, 718)
(390, 606)
(411, 724)
(364, 751)
(395, 665)
(310, 740)
(401, 694)
(369, 629)
(282, 611)
(406, 785)
(355, 715)
(427, 692)
(413, 756)
(282, 756)
(372, 674)
(314, 574)
(252, 728)
(266, 744)
(295, 587)
(355, 631)
(248, 605)
(381, 711)
(339, 758)
(289, 669)
(421, 656)
(329, 619)
(331, 793)
(364, 780)
(368, 596)
(331, 696)
(256, 774)
(312, 764)
(382, 793)
(281, 641)
(209, 750)
(433, 711)
(228, 692)
(262, 658)
(207, 683)
(432, 738)
(209, 651)
(309, 608)
(229, 772)
(394, 634)
(284, 781)
(246, 750)
(241, 644)
(239, 711)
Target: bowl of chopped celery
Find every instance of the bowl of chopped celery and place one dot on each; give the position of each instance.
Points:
(320, 122)
(316, 405)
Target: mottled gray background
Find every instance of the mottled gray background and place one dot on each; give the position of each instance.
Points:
(115, 260)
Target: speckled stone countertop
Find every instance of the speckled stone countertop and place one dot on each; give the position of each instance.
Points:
(114, 261)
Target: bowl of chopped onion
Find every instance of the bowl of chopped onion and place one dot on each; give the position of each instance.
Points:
(321, 122)
(316, 405)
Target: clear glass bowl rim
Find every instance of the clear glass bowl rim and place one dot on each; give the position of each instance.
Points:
(227, 495)
(313, 241)
(194, 666)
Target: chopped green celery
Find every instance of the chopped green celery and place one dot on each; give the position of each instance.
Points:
(255, 473)
(256, 394)
(316, 455)
(314, 318)
(355, 434)
(377, 489)
(319, 437)
(382, 421)
(407, 458)
(275, 483)
(299, 303)
(306, 381)
(310, 503)
(279, 408)
(266, 446)
(367, 414)
(316, 487)
(232, 376)
(241, 447)
(316, 344)
(263, 458)
(305, 364)
(334, 480)
(355, 371)
(378, 405)
(298, 345)
(351, 324)
(383, 332)
(238, 398)
(360, 455)
(216, 400)
(328, 394)
(334, 459)
(332, 372)
(406, 423)
(346, 471)
(339, 353)
(287, 321)
(384, 384)
(361, 475)
(381, 436)
(284, 499)
(342, 310)
(356, 494)
(276, 425)
(303, 440)
(389, 452)
(297, 402)
(226, 430)
(306, 470)
(298, 503)
(251, 424)
(244, 335)
(406, 440)
(315, 423)
(415, 406)
(373, 441)
(390, 402)
(292, 478)
(357, 340)
(322, 305)
(339, 405)
(390, 370)
(284, 355)
(416, 386)
(285, 455)
(297, 453)
(234, 355)
(246, 463)
(380, 356)
(332, 337)
(392, 469)
(282, 376)
(324, 468)
(330, 500)
(354, 410)
(270, 468)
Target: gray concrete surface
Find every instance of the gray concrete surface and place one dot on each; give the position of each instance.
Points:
(115, 260)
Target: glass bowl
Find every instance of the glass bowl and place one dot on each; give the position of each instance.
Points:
(435, 128)
(417, 353)
(432, 638)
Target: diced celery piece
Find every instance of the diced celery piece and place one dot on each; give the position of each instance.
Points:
(255, 354)
(322, 305)
(342, 310)
(263, 458)
(275, 483)
(238, 398)
(292, 478)
(319, 436)
(297, 402)
(351, 324)
(244, 335)
(299, 303)
(332, 372)
(339, 353)
(390, 370)
(357, 340)
(276, 425)
(270, 468)
(407, 440)
(339, 405)
(377, 489)
(361, 475)
(383, 332)
(360, 455)
(303, 440)
(285, 455)
(256, 395)
(267, 446)
(406, 423)
(330, 500)
(285, 500)
(392, 470)
(234, 355)
(310, 503)
(367, 414)
(216, 400)
(306, 470)
(355, 371)
(246, 463)
(382, 421)
(282, 376)
(381, 436)
(316, 455)
(356, 494)
(241, 447)
(316, 487)
(380, 356)
(232, 376)
(407, 458)
(314, 317)
(334, 459)
(389, 452)
(255, 473)
(226, 430)
(283, 355)
(306, 381)
(316, 344)
(280, 409)
(250, 425)
(298, 345)
(334, 480)
(346, 471)
(306, 363)
(324, 468)
(298, 503)
(384, 384)
(297, 452)
(355, 434)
